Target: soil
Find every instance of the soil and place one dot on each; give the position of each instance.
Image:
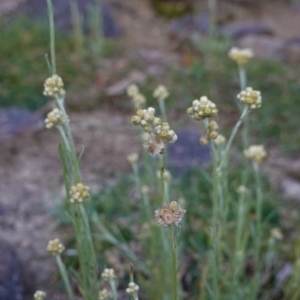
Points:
(30, 173)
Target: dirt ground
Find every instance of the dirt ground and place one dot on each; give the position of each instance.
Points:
(30, 172)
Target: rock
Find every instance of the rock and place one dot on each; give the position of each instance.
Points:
(263, 46)
(239, 30)
(37, 9)
(292, 51)
(187, 25)
(290, 188)
(187, 152)
(15, 120)
(11, 287)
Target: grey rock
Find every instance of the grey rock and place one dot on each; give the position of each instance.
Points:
(238, 30)
(292, 51)
(11, 287)
(37, 9)
(263, 46)
(14, 120)
(189, 24)
(187, 152)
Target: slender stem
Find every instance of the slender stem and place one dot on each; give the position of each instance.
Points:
(64, 275)
(52, 36)
(259, 199)
(137, 178)
(162, 180)
(162, 108)
(233, 134)
(113, 287)
(215, 238)
(174, 263)
(242, 76)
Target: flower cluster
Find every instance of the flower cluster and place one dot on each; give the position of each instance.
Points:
(55, 247)
(161, 92)
(39, 295)
(169, 214)
(108, 274)
(240, 56)
(104, 294)
(54, 118)
(250, 97)
(138, 99)
(256, 153)
(132, 158)
(132, 288)
(156, 131)
(79, 193)
(202, 109)
(53, 86)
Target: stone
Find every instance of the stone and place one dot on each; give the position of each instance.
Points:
(187, 152)
(292, 51)
(239, 30)
(37, 9)
(189, 24)
(11, 287)
(265, 47)
(15, 120)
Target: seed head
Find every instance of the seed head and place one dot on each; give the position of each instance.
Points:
(39, 295)
(79, 193)
(55, 247)
(108, 274)
(104, 295)
(54, 118)
(132, 288)
(53, 86)
(250, 97)
(202, 109)
(161, 92)
(256, 153)
(240, 56)
(169, 214)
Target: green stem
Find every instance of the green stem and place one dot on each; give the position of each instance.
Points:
(162, 108)
(242, 76)
(52, 36)
(137, 178)
(259, 199)
(113, 287)
(64, 275)
(162, 181)
(233, 134)
(174, 263)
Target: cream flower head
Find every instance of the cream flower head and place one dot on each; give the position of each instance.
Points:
(250, 97)
(55, 247)
(240, 56)
(39, 295)
(161, 92)
(255, 152)
(53, 86)
(202, 108)
(79, 193)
